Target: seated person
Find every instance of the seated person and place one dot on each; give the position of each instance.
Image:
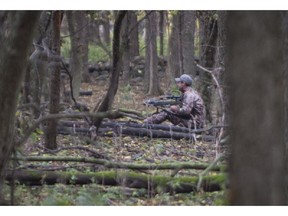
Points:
(191, 112)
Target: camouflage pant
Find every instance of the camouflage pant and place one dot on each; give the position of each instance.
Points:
(160, 117)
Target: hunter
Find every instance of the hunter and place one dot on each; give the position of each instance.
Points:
(191, 111)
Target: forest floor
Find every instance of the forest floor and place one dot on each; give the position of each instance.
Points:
(120, 149)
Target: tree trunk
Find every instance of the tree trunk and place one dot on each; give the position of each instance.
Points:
(174, 49)
(126, 48)
(255, 72)
(285, 80)
(147, 37)
(76, 60)
(36, 83)
(30, 91)
(134, 36)
(107, 102)
(94, 30)
(187, 34)
(181, 26)
(151, 50)
(51, 130)
(130, 42)
(106, 27)
(161, 32)
(13, 58)
(26, 86)
(216, 110)
(85, 46)
(208, 40)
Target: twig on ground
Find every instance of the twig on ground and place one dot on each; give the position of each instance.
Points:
(208, 169)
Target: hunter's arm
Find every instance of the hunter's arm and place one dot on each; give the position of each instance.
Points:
(187, 105)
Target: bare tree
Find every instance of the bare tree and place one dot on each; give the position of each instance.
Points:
(174, 65)
(93, 31)
(151, 70)
(76, 61)
(208, 42)
(161, 31)
(97, 36)
(126, 47)
(129, 35)
(84, 22)
(133, 35)
(106, 27)
(187, 32)
(51, 130)
(216, 109)
(16, 33)
(255, 72)
(181, 44)
(107, 101)
(36, 84)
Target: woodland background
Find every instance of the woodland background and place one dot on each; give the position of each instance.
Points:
(51, 62)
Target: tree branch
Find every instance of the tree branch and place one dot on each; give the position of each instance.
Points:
(218, 140)
(208, 169)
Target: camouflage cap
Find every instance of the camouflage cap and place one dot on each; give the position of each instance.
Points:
(184, 78)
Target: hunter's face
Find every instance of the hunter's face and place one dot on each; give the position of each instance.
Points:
(180, 85)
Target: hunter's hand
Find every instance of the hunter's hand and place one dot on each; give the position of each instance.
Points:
(175, 108)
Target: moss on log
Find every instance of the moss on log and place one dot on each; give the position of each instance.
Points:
(123, 165)
(156, 183)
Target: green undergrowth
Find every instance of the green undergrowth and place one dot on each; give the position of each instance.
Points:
(95, 53)
(98, 195)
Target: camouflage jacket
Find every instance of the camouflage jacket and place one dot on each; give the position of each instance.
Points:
(192, 104)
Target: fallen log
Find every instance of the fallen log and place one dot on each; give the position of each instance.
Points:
(130, 131)
(147, 126)
(165, 127)
(140, 132)
(125, 165)
(156, 183)
(111, 124)
(100, 115)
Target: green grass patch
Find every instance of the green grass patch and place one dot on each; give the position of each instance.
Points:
(95, 53)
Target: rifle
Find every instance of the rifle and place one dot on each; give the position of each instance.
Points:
(165, 102)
